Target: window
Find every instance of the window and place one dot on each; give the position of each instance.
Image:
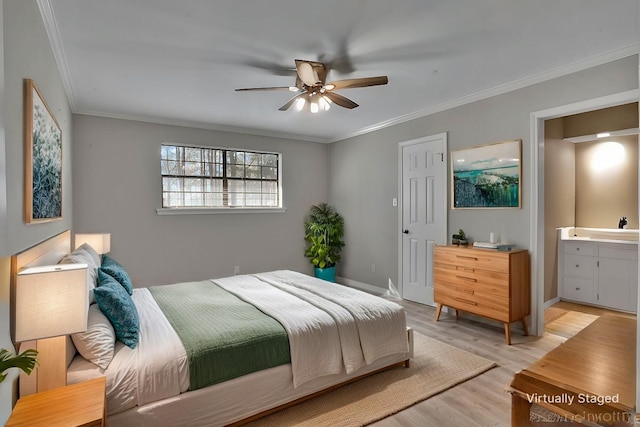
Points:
(207, 177)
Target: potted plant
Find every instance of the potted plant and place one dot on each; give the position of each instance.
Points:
(25, 361)
(460, 238)
(324, 232)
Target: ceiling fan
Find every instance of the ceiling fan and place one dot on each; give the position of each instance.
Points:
(314, 93)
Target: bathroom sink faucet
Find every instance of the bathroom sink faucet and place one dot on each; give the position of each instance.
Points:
(623, 222)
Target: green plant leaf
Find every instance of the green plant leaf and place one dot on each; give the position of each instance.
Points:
(25, 361)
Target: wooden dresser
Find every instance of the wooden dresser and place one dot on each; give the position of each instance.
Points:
(486, 282)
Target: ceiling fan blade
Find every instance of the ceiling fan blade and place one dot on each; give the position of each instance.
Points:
(361, 82)
(311, 73)
(289, 103)
(340, 100)
(272, 67)
(268, 88)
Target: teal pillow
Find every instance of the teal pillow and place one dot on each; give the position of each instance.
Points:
(117, 305)
(117, 271)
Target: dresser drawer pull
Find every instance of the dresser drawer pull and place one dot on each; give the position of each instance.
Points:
(467, 291)
(467, 269)
(468, 279)
(467, 257)
(466, 301)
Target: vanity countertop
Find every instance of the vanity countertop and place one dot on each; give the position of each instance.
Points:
(599, 235)
(589, 239)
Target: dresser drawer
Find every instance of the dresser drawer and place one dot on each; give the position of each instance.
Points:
(580, 266)
(476, 289)
(490, 282)
(481, 304)
(474, 259)
(580, 248)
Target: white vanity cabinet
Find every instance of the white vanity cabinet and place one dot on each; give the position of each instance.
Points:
(618, 276)
(599, 273)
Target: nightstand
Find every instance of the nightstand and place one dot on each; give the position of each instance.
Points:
(77, 405)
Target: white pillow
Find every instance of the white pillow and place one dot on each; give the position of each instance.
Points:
(97, 343)
(85, 254)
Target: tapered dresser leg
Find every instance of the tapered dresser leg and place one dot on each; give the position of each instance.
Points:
(525, 328)
(507, 333)
(438, 311)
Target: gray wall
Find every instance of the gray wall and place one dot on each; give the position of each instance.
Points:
(3, 154)
(117, 188)
(364, 169)
(27, 54)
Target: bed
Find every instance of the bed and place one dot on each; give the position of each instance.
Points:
(332, 334)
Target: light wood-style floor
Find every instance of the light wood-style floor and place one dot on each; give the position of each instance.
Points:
(481, 401)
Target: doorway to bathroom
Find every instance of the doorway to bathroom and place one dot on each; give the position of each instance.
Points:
(543, 224)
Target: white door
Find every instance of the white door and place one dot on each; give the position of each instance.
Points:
(423, 213)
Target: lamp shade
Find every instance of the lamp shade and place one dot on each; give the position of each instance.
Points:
(101, 242)
(50, 301)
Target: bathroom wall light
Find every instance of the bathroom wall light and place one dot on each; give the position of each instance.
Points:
(607, 155)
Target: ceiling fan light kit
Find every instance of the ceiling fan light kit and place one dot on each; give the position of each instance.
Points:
(314, 94)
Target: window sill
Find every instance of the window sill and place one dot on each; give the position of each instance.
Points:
(215, 211)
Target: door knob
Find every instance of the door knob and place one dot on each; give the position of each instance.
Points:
(405, 231)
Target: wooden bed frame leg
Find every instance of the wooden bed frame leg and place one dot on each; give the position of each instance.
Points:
(407, 363)
(520, 410)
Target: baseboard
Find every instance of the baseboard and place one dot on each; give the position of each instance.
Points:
(360, 285)
(551, 302)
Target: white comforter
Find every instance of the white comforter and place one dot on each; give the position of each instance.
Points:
(332, 329)
(380, 323)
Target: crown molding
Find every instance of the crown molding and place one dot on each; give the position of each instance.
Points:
(51, 26)
(577, 66)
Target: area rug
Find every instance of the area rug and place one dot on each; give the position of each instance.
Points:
(435, 367)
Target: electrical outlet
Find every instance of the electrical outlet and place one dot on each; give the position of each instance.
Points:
(394, 202)
(236, 269)
(373, 268)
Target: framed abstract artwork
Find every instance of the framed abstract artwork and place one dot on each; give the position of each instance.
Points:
(487, 176)
(42, 159)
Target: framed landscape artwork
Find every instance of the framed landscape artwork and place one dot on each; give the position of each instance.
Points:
(43, 158)
(487, 176)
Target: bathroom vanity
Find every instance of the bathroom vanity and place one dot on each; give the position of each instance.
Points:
(598, 266)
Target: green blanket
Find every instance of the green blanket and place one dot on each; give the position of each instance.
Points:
(224, 336)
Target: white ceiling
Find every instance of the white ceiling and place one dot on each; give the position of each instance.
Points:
(179, 61)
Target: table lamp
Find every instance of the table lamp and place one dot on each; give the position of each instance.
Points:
(101, 242)
(50, 303)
